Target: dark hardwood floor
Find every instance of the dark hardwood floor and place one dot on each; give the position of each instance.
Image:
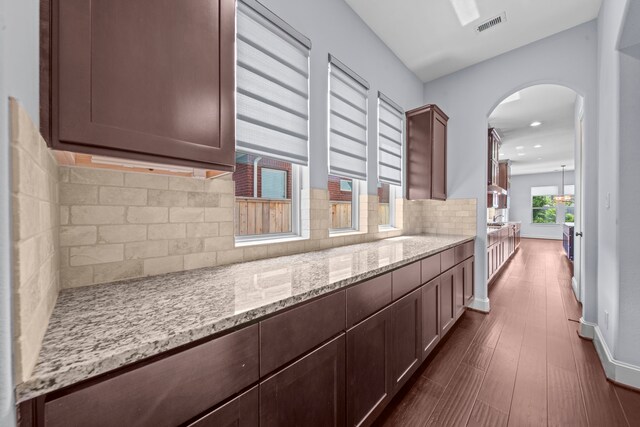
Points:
(523, 364)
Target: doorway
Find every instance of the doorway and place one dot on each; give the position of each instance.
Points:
(539, 131)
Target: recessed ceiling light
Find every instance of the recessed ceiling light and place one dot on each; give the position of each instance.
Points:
(467, 11)
(539, 158)
(537, 146)
(501, 154)
(520, 147)
(534, 124)
(521, 154)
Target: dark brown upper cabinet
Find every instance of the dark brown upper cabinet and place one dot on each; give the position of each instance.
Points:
(493, 146)
(504, 181)
(427, 153)
(144, 80)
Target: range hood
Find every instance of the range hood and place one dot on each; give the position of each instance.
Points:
(496, 189)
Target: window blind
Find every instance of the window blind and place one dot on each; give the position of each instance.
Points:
(550, 190)
(390, 140)
(347, 122)
(272, 79)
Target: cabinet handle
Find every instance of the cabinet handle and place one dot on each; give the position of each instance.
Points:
(579, 234)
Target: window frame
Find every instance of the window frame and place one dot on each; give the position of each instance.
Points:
(296, 214)
(355, 208)
(393, 191)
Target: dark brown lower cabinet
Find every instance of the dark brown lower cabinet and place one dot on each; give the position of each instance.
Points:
(430, 316)
(447, 310)
(369, 386)
(407, 337)
(167, 392)
(458, 290)
(310, 392)
(468, 266)
(243, 411)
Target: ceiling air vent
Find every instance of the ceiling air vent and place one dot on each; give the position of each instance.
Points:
(492, 22)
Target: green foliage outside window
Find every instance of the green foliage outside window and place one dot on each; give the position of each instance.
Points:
(544, 210)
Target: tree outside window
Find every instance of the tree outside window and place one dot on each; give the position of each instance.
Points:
(543, 209)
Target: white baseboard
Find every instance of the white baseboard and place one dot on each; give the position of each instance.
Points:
(615, 370)
(576, 291)
(480, 304)
(527, 236)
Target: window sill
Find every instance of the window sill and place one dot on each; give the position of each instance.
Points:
(243, 243)
(382, 228)
(342, 233)
(543, 224)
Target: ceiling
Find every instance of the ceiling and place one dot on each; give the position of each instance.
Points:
(554, 107)
(429, 38)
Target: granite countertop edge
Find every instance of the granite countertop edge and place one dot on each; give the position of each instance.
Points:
(71, 374)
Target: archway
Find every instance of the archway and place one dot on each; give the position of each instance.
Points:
(542, 128)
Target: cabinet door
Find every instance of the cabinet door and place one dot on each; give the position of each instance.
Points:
(430, 316)
(447, 311)
(243, 411)
(145, 80)
(310, 392)
(439, 158)
(419, 152)
(458, 290)
(369, 386)
(407, 337)
(468, 266)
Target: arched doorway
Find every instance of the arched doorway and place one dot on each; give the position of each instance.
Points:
(539, 129)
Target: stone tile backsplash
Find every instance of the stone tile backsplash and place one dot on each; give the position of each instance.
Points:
(35, 238)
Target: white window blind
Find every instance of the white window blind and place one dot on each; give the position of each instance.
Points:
(272, 79)
(347, 122)
(390, 140)
(550, 190)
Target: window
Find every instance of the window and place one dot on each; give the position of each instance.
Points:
(266, 196)
(348, 94)
(569, 206)
(343, 202)
(346, 185)
(544, 208)
(274, 183)
(386, 205)
(390, 151)
(272, 123)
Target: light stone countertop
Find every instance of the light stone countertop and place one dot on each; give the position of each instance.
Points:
(99, 328)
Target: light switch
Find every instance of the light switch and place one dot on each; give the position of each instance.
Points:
(607, 203)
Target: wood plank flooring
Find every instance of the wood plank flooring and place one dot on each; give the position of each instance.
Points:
(523, 364)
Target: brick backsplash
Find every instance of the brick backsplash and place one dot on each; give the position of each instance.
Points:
(35, 238)
(118, 225)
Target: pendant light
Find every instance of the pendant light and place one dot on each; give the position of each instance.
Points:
(563, 198)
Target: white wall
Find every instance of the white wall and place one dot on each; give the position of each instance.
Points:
(627, 348)
(18, 78)
(609, 25)
(468, 97)
(520, 208)
(335, 28)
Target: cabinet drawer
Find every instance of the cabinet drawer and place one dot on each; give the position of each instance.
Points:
(243, 411)
(430, 268)
(368, 297)
(406, 279)
(447, 259)
(167, 392)
(288, 335)
(463, 251)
